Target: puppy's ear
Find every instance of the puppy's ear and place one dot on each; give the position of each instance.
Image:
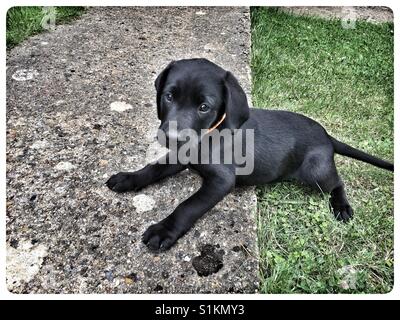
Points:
(159, 84)
(236, 106)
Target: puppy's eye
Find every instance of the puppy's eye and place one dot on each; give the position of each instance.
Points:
(168, 97)
(204, 108)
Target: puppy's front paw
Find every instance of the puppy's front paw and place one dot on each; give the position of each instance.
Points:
(158, 237)
(122, 182)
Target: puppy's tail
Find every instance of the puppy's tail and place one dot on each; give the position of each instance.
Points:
(346, 150)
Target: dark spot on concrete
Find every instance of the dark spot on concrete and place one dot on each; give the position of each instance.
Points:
(209, 261)
(158, 288)
(165, 274)
(180, 255)
(93, 247)
(233, 290)
(97, 126)
(33, 197)
(93, 141)
(109, 275)
(100, 218)
(242, 248)
(14, 243)
(67, 76)
(59, 132)
(83, 271)
(236, 249)
(133, 276)
(34, 241)
(133, 229)
(24, 153)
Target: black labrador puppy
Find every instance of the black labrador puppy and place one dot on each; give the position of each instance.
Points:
(198, 94)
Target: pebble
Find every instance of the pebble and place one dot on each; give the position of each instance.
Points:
(41, 144)
(109, 276)
(103, 163)
(64, 166)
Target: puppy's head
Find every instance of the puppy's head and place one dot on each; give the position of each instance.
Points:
(196, 94)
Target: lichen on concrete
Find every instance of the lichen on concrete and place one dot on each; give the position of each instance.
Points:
(23, 262)
(64, 142)
(143, 203)
(120, 106)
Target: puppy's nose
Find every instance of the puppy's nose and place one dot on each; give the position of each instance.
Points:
(171, 132)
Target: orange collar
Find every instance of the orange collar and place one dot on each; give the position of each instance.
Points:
(217, 124)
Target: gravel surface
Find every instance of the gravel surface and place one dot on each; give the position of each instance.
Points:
(80, 107)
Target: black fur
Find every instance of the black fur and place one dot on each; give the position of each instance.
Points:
(287, 146)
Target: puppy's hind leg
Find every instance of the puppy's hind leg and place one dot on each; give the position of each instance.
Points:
(340, 205)
(319, 171)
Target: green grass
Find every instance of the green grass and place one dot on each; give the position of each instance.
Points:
(342, 78)
(23, 22)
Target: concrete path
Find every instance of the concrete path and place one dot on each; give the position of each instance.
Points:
(80, 107)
